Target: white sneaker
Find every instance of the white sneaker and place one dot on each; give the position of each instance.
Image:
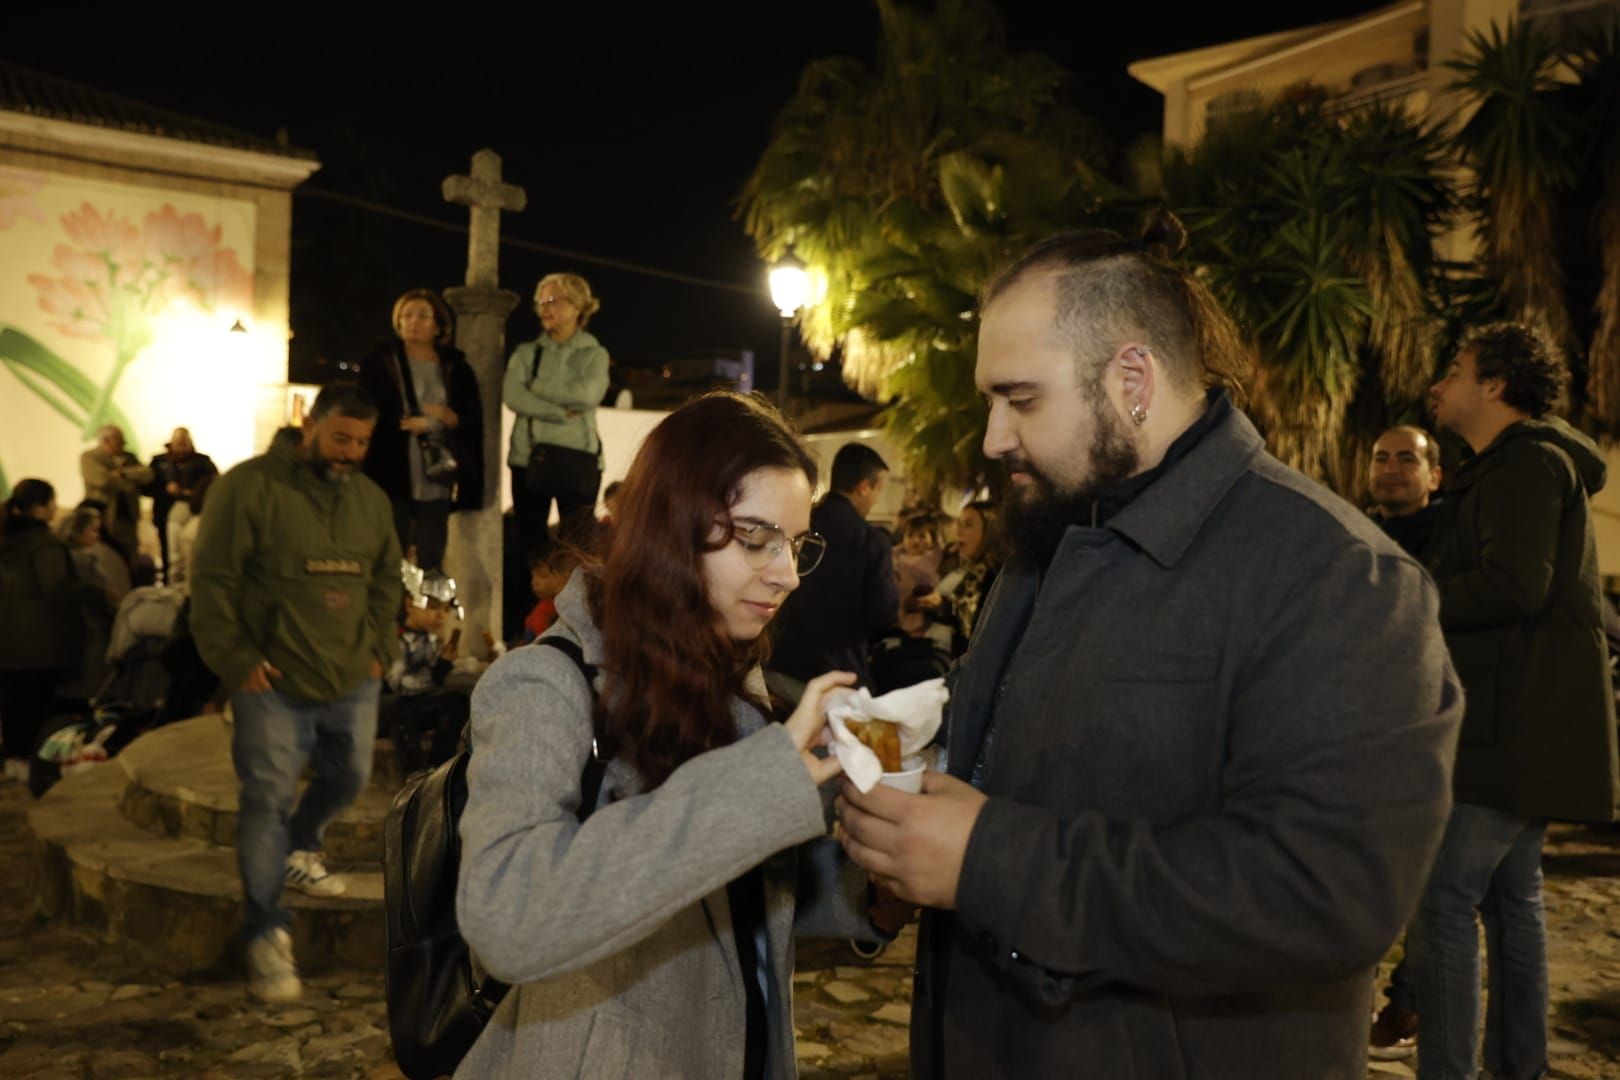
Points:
(306, 873)
(272, 973)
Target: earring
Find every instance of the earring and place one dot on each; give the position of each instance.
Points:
(1138, 414)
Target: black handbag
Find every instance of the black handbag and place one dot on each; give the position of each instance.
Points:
(438, 1001)
(561, 471)
(439, 464)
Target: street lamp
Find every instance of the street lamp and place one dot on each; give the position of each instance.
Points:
(790, 288)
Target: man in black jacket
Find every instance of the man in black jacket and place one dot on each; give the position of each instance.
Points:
(177, 475)
(1516, 564)
(828, 622)
(1199, 750)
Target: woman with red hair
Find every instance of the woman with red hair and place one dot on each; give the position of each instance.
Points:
(654, 938)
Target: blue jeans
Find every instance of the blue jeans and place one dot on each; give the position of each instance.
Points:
(1490, 861)
(272, 739)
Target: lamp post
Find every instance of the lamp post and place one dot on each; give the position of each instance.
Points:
(790, 287)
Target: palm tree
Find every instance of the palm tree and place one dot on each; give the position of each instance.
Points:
(1315, 226)
(905, 184)
(902, 186)
(1520, 144)
(1596, 100)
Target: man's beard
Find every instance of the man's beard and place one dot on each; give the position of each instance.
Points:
(1037, 517)
(325, 467)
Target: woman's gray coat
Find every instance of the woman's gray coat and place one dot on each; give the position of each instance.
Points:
(616, 934)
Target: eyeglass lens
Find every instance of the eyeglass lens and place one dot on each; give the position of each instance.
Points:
(763, 544)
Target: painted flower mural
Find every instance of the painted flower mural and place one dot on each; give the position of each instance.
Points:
(111, 276)
(116, 277)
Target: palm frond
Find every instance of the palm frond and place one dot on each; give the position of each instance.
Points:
(1522, 148)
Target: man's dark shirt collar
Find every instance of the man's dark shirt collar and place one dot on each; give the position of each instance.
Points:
(1216, 408)
(1411, 531)
(1169, 504)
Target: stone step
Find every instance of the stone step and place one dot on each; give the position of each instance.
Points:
(175, 894)
(183, 785)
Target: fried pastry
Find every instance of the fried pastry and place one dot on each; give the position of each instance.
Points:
(882, 737)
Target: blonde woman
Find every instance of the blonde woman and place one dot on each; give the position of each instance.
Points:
(554, 385)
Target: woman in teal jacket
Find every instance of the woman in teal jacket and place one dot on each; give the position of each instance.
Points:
(554, 385)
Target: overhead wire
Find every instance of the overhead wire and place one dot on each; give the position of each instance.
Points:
(526, 245)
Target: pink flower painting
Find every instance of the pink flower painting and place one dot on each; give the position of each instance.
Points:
(116, 277)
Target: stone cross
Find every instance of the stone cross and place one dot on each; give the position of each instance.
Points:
(488, 196)
(474, 557)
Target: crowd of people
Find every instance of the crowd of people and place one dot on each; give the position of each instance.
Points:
(1215, 738)
(67, 571)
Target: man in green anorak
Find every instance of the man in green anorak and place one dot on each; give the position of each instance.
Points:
(295, 588)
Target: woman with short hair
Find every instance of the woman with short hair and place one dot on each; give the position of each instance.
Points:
(428, 406)
(553, 385)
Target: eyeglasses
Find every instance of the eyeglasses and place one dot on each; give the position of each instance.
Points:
(763, 544)
(543, 301)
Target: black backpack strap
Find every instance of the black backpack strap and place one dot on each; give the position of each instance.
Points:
(590, 782)
(534, 373)
(534, 367)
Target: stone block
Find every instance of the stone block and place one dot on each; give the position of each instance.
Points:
(846, 993)
(99, 865)
(122, 1064)
(894, 1013)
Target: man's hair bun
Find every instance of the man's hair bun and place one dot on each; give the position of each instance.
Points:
(1163, 234)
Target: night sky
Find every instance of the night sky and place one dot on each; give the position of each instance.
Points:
(632, 132)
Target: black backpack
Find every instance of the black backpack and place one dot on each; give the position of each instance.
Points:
(437, 1004)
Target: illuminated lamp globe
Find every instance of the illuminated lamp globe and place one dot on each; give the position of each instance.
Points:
(790, 285)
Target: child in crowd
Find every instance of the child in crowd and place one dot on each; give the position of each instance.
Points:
(418, 709)
(916, 562)
(548, 573)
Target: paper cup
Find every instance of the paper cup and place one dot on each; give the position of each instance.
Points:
(908, 779)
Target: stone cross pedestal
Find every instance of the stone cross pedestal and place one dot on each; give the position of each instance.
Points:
(481, 307)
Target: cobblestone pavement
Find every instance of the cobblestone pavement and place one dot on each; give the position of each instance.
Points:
(73, 1006)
